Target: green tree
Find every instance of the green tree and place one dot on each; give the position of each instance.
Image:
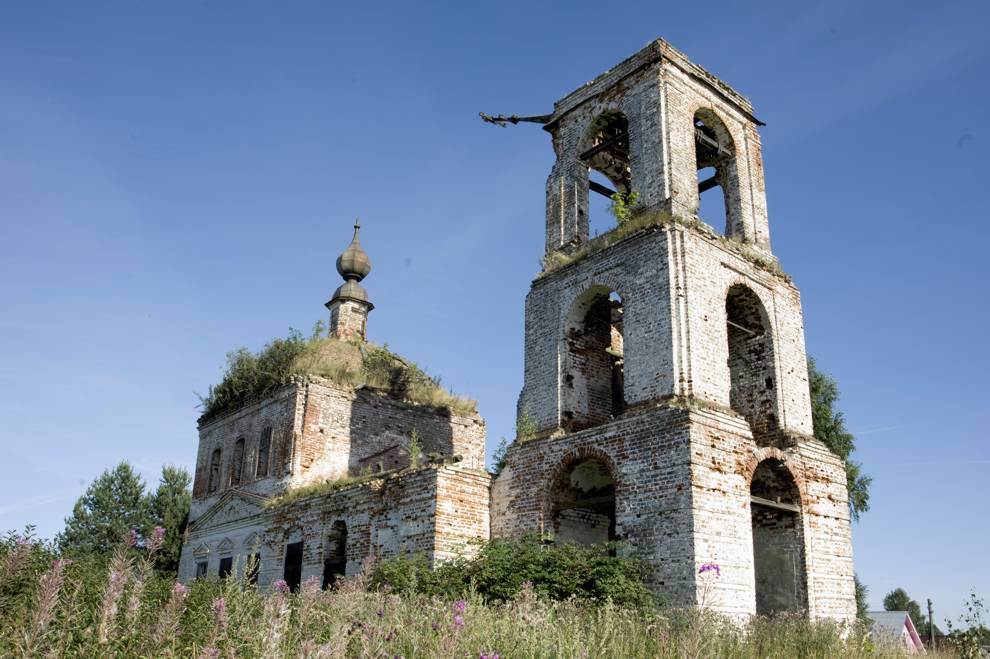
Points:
(830, 429)
(862, 592)
(898, 600)
(169, 508)
(112, 505)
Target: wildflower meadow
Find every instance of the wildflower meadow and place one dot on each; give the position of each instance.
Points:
(121, 607)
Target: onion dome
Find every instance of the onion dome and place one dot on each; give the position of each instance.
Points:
(354, 264)
(351, 290)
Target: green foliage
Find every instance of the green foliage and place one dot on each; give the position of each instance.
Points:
(638, 221)
(320, 488)
(501, 566)
(624, 204)
(249, 376)
(898, 600)
(498, 457)
(862, 593)
(526, 427)
(830, 429)
(116, 502)
(152, 617)
(415, 449)
(971, 639)
(112, 505)
(169, 508)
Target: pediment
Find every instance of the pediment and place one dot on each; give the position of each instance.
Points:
(232, 506)
(201, 551)
(253, 541)
(225, 547)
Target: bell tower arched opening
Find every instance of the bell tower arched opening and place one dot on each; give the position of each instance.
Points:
(718, 179)
(778, 540)
(593, 375)
(605, 154)
(752, 372)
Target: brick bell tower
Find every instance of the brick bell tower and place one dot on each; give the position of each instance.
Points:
(665, 401)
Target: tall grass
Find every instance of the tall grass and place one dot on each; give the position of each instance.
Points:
(89, 608)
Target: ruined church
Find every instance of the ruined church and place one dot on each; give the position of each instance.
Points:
(665, 399)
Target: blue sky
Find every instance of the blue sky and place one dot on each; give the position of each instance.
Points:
(177, 181)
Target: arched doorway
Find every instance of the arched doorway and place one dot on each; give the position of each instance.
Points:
(583, 507)
(778, 540)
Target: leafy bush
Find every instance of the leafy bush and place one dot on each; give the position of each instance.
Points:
(501, 566)
(249, 376)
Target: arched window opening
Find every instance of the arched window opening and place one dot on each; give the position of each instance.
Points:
(752, 390)
(264, 454)
(606, 155)
(237, 462)
(335, 554)
(214, 479)
(583, 510)
(715, 160)
(778, 540)
(593, 386)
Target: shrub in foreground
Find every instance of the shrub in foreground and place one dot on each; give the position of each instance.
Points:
(501, 566)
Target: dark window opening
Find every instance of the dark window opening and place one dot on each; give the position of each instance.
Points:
(335, 554)
(264, 453)
(252, 569)
(201, 568)
(594, 375)
(778, 540)
(214, 481)
(715, 161)
(237, 462)
(606, 155)
(751, 360)
(293, 565)
(226, 567)
(584, 504)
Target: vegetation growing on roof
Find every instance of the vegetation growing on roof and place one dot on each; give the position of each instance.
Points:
(248, 376)
(638, 221)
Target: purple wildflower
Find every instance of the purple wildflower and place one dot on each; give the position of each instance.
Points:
(458, 621)
(710, 567)
(154, 543)
(460, 606)
(220, 612)
(210, 653)
(380, 613)
(281, 586)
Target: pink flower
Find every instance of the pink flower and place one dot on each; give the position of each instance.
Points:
(220, 612)
(281, 586)
(458, 621)
(460, 606)
(154, 543)
(180, 590)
